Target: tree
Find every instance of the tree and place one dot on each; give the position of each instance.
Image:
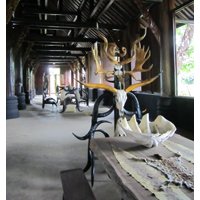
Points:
(184, 49)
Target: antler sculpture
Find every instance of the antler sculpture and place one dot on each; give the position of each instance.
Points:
(141, 57)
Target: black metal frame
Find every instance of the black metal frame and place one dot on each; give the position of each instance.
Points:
(48, 100)
(95, 123)
(72, 100)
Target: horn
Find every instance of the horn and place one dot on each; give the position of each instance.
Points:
(105, 49)
(132, 87)
(102, 86)
(134, 48)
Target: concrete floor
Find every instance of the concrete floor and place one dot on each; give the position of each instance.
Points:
(40, 144)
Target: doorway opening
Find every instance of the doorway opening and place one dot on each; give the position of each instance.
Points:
(54, 79)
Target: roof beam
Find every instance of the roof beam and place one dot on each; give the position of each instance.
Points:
(41, 48)
(55, 63)
(56, 24)
(91, 15)
(184, 21)
(59, 39)
(183, 6)
(48, 12)
(105, 8)
(58, 54)
(101, 13)
(56, 60)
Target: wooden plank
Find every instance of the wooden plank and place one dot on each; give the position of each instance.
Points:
(127, 185)
(75, 185)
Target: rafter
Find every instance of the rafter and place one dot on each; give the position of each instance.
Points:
(55, 60)
(58, 39)
(55, 63)
(48, 12)
(183, 6)
(58, 54)
(41, 48)
(56, 24)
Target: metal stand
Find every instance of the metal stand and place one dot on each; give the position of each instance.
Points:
(93, 130)
(72, 100)
(95, 124)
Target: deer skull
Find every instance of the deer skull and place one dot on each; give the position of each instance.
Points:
(120, 100)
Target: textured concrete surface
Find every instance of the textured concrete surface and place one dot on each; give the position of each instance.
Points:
(40, 144)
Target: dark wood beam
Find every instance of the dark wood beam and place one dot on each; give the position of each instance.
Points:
(183, 6)
(185, 21)
(41, 48)
(48, 12)
(11, 6)
(83, 31)
(105, 8)
(95, 9)
(91, 15)
(153, 1)
(57, 54)
(148, 20)
(59, 39)
(56, 60)
(56, 24)
(55, 63)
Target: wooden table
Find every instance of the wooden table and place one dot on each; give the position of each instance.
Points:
(128, 187)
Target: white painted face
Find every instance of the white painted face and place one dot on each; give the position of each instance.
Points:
(120, 99)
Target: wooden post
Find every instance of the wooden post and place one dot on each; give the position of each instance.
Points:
(11, 99)
(167, 52)
(19, 92)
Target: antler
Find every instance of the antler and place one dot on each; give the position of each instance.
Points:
(102, 86)
(96, 59)
(106, 49)
(132, 87)
(140, 59)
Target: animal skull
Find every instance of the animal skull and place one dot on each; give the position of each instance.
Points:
(120, 99)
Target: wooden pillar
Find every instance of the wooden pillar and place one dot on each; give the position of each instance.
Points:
(26, 72)
(89, 56)
(167, 52)
(11, 99)
(19, 92)
(18, 73)
(72, 76)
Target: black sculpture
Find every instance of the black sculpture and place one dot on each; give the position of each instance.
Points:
(72, 99)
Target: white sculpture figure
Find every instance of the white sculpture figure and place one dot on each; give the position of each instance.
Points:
(147, 133)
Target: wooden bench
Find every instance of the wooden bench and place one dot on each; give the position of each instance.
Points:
(75, 185)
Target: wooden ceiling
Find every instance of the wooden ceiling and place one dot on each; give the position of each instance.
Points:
(62, 31)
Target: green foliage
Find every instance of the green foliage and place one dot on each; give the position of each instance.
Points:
(186, 75)
(189, 80)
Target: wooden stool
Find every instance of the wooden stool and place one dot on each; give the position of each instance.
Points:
(75, 185)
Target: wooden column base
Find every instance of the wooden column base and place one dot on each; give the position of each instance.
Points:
(12, 107)
(27, 98)
(21, 101)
